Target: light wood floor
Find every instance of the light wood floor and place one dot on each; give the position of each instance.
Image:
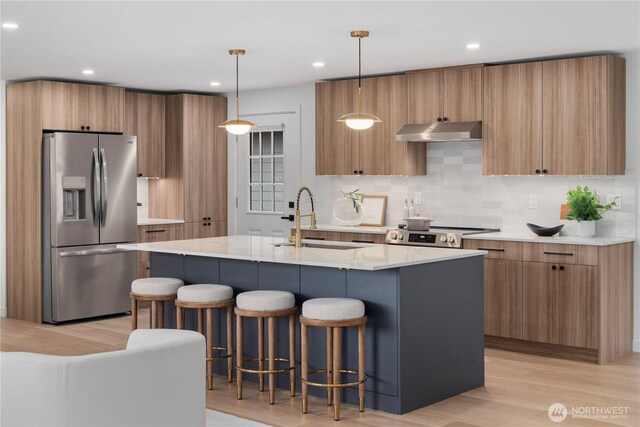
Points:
(519, 388)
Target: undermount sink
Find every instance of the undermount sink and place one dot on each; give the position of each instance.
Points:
(319, 246)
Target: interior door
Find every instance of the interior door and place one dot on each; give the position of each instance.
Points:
(73, 193)
(118, 204)
(268, 167)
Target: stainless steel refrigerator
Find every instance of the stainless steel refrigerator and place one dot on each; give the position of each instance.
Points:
(89, 205)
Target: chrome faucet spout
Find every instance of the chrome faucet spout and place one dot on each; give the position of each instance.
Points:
(298, 237)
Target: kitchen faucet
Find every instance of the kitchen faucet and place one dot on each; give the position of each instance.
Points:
(297, 239)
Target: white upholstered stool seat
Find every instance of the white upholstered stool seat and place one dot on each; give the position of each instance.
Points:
(333, 308)
(205, 293)
(265, 300)
(156, 286)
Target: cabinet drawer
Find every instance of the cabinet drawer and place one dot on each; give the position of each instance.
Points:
(565, 254)
(160, 233)
(497, 249)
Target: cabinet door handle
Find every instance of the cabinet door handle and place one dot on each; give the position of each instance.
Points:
(562, 267)
(491, 249)
(155, 231)
(553, 267)
(558, 253)
(81, 127)
(360, 172)
(362, 241)
(544, 171)
(439, 119)
(313, 238)
(537, 171)
(356, 172)
(445, 119)
(88, 127)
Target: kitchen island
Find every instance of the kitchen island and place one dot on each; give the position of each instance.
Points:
(424, 335)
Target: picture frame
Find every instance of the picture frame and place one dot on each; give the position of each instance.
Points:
(374, 208)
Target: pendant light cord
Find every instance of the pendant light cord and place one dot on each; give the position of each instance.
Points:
(359, 72)
(237, 90)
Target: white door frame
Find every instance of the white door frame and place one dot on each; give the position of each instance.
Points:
(232, 163)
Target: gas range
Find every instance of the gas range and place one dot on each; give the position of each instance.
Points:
(437, 236)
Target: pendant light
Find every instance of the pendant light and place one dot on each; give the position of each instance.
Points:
(359, 120)
(237, 126)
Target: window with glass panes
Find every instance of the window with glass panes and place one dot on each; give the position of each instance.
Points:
(266, 171)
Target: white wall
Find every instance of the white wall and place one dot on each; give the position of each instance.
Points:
(454, 191)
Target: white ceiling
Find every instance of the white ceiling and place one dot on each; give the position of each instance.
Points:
(183, 45)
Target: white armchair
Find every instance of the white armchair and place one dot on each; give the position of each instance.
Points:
(159, 380)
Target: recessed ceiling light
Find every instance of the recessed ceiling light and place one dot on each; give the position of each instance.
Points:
(215, 83)
(318, 64)
(10, 25)
(473, 45)
(87, 72)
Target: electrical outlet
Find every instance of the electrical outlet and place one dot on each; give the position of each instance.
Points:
(617, 198)
(533, 201)
(417, 198)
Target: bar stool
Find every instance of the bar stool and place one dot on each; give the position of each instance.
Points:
(154, 289)
(208, 298)
(333, 314)
(272, 305)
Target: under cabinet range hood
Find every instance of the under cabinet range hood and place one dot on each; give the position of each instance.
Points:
(441, 132)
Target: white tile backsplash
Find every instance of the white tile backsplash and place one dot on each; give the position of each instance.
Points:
(456, 193)
(143, 197)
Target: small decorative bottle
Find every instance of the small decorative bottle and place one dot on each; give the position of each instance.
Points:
(405, 210)
(412, 209)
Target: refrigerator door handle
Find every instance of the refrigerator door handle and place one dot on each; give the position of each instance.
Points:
(105, 188)
(94, 252)
(97, 187)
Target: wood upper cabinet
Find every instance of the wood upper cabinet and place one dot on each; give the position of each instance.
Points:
(453, 94)
(196, 161)
(584, 116)
(75, 106)
(145, 118)
(512, 119)
(374, 151)
(560, 304)
(561, 117)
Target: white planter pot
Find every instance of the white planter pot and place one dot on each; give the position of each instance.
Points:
(586, 228)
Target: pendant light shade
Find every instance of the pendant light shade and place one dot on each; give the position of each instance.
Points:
(237, 126)
(359, 120)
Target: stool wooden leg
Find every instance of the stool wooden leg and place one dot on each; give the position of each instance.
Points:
(229, 344)
(200, 321)
(179, 317)
(154, 314)
(304, 370)
(261, 352)
(361, 374)
(209, 349)
(329, 365)
(337, 341)
(272, 360)
(292, 353)
(160, 314)
(239, 356)
(134, 314)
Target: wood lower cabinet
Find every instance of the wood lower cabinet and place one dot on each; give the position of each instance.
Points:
(156, 233)
(82, 107)
(338, 236)
(560, 304)
(200, 230)
(567, 301)
(503, 298)
(195, 188)
(145, 118)
(453, 94)
(560, 117)
(374, 151)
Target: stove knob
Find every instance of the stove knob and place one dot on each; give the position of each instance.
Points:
(443, 239)
(452, 239)
(393, 236)
(400, 236)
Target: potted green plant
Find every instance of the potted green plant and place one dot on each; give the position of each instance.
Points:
(586, 209)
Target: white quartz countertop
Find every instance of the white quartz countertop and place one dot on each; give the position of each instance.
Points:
(157, 221)
(348, 229)
(270, 249)
(567, 240)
